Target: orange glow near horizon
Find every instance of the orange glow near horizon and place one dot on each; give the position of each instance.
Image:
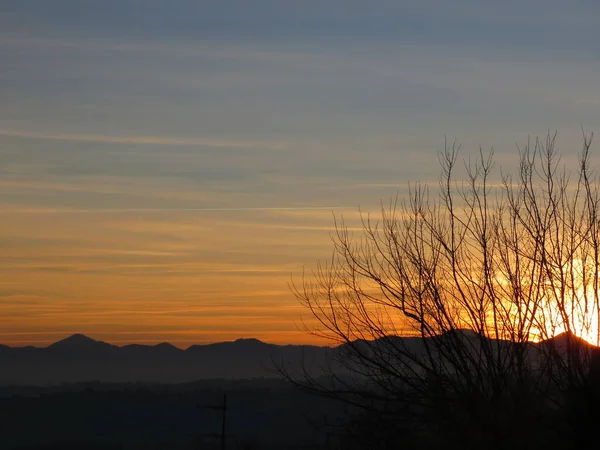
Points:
(179, 277)
(184, 277)
(584, 326)
(574, 310)
(582, 319)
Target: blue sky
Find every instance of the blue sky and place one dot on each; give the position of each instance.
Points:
(185, 142)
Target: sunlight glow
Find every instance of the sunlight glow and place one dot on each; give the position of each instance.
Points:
(575, 309)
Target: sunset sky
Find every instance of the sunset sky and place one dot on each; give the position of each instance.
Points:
(166, 166)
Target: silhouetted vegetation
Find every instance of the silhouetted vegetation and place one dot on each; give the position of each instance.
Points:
(492, 282)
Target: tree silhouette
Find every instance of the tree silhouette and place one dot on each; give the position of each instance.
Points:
(463, 313)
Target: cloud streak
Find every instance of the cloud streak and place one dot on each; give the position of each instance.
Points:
(144, 140)
(166, 210)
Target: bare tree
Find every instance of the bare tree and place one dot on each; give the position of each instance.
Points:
(464, 312)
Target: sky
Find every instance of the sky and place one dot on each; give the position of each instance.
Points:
(167, 167)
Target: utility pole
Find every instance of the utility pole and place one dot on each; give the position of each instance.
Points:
(223, 408)
(223, 422)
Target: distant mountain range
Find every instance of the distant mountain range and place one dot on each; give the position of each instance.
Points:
(79, 358)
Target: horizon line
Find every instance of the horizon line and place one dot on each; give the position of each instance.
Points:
(144, 343)
(151, 344)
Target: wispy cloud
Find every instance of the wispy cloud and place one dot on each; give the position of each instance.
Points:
(145, 140)
(8, 210)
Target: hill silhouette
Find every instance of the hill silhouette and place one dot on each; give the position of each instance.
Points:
(79, 358)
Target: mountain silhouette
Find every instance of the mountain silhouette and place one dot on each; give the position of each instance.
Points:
(80, 342)
(568, 338)
(79, 358)
(164, 348)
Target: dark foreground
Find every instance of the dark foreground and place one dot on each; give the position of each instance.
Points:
(261, 414)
